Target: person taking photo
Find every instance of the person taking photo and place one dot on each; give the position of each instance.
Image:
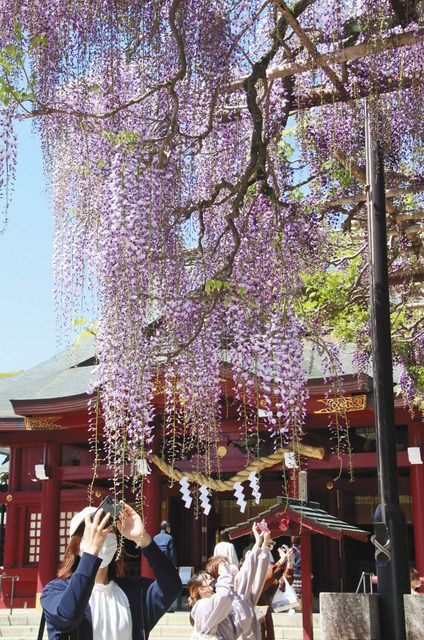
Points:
(91, 599)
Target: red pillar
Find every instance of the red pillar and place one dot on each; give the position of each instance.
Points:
(204, 540)
(12, 514)
(307, 596)
(416, 439)
(151, 513)
(50, 518)
(197, 551)
(293, 483)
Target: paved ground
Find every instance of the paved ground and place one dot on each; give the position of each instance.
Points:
(23, 625)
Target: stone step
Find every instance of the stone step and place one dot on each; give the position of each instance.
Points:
(17, 631)
(23, 625)
(280, 634)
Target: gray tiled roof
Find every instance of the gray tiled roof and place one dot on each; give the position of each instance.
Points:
(58, 377)
(312, 362)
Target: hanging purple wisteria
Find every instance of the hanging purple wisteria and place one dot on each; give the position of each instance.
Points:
(189, 202)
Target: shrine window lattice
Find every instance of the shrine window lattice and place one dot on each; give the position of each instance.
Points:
(33, 555)
(34, 537)
(65, 521)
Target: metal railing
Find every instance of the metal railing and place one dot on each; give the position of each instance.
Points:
(12, 591)
(363, 582)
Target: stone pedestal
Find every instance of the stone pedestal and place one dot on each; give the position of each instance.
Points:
(414, 616)
(349, 616)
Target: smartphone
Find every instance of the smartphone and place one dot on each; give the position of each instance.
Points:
(262, 526)
(110, 506)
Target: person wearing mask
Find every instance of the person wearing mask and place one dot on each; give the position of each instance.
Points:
(210, 602)
(248, 584)
(91, 599)
(166, 543)
(226, 548)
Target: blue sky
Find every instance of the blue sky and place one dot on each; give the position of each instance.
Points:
(28, 334)
(27, 321)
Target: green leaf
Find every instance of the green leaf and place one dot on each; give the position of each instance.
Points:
(17, 32)
(39, 40)
(216, 285)
(79, 322)
(84, 335)
(12, 50)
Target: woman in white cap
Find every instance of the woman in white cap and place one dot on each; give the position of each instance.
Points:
(90, 600)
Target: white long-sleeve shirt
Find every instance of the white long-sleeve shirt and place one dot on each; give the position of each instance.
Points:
(211, 615)
(110, 612)
(230, 612)
(248, 584)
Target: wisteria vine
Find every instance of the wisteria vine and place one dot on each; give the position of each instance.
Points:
(195, 149)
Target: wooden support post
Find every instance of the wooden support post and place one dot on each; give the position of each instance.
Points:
(293, 484)
(307, 595)
(50, 518)
(416, 439)
(11, 548)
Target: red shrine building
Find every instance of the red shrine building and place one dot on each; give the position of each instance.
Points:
(44, 435)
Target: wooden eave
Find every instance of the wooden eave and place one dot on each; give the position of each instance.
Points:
(281, 517)
(51, 406)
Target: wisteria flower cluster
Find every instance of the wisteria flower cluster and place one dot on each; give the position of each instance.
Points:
(188, 202)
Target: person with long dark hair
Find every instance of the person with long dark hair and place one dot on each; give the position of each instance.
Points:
(90, 599)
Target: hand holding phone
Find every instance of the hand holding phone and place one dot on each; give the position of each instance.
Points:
(262, 526)
(110, 506)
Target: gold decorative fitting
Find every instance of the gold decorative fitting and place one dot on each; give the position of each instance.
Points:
(32, 423)
(98, 494)
(343, 404)
(329, 485)
(222, 451)
(9, 497)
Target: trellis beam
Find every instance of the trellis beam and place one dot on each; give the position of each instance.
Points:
(359, 174)
(321, 98)
(354, 52)
(410, 216)
(412, 230)
(361, 197)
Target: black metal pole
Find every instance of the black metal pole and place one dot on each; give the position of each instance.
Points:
(392, 568)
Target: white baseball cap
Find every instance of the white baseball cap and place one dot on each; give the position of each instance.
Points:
(79, 518)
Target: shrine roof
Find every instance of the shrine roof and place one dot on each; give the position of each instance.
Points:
(68, 373)
(288, 512)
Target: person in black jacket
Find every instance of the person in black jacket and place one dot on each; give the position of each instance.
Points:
(165, 542)
(90, 599)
